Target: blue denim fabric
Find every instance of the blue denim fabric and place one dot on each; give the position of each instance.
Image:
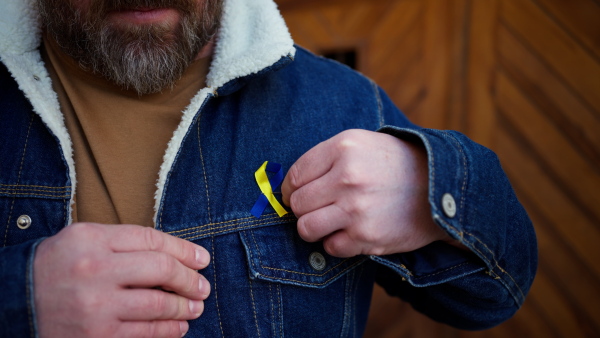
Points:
(262, 279)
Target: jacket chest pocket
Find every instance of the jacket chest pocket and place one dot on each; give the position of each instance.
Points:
(26, 218)
(278, 254)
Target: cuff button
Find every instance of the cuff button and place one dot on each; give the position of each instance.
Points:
(449, 205)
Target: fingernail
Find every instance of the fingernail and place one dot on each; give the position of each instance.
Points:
(183, 326)
(201, 257)
(205, 290)
(196, 307)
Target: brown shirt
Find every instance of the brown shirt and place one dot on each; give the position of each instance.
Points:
(119, 138)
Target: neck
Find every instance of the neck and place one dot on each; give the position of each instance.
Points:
(206, 52)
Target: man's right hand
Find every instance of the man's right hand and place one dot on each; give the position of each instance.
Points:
(94, 280)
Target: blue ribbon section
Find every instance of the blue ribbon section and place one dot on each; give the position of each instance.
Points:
(274, 180)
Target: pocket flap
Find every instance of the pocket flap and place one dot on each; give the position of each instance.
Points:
(277, 253)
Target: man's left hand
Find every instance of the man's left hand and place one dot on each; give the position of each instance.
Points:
(362, 192)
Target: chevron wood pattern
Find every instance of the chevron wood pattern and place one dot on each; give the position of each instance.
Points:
(519, 76)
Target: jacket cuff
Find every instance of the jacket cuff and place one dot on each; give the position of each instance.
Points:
(17, 310)
(433, 264)
(437, 262)
(472, 200)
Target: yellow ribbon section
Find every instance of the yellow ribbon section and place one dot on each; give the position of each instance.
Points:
(265, 187)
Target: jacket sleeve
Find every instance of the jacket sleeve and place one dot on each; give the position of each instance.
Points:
(17, 310)
(473, 201)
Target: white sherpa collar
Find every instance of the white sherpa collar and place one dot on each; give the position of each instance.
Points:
(253, 36)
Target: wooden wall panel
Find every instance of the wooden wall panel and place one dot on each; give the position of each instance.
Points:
(519, 76)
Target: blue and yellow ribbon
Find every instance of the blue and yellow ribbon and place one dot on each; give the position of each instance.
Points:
(267, 185)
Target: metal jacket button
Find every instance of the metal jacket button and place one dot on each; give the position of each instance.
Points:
(449, 205)
(24, 222)
(317, 261)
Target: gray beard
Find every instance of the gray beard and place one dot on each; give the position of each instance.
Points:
(145, 63)
(147, 59)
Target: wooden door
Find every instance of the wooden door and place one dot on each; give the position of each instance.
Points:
(519, 76)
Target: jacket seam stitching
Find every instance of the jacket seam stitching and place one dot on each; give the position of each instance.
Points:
(30, 190)
(379, 104)
(256, 249)
(465, 176)
(461, 219)
(227, 228)
(214, 266)
(238, 221)
(12, 204)
(29, 194)
(204, 171)
(36, 186)
(253, 307)
(308, 274)
(200, 235)
(280, 310)
(271, 302)
(440, 272)
(497, 264)
(318, 284)
(494, 264)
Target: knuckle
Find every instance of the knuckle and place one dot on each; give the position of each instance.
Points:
(348, 140)
(356, 205)
(294, 173)
(157, 303)
(166, 265)
(81, 231)
(85, 267)
(296, 202)
(376, 251)
(352, 176)
(181, 309)
(303, 230)
(192, 283)
(152, 330)
(332, 248)
(85, 303)
(367, 235)
(154, 239)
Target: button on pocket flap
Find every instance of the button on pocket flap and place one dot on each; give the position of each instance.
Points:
(277, 253)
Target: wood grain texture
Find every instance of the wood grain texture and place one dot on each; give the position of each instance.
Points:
(519, 76)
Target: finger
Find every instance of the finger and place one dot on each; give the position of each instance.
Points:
(150, 269)
(320, 223)
(313, 164)
(129, 238)
(340, 244)
(149, 305)
(162, 328)
(316, 194)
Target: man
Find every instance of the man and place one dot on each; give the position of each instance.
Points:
(111, 96)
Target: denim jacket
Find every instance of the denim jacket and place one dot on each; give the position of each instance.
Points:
(265, 101)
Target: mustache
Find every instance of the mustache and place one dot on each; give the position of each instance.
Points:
(105, 6)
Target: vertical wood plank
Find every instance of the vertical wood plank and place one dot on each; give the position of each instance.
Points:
(432, 112)
(481, 61)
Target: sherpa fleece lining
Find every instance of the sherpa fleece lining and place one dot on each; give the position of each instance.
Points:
(252, 37)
